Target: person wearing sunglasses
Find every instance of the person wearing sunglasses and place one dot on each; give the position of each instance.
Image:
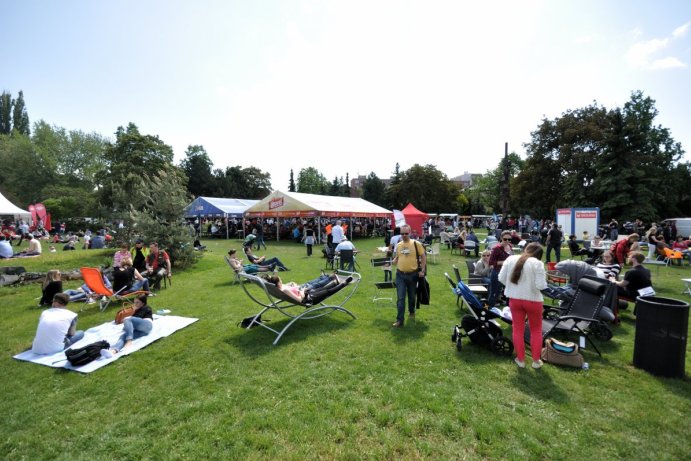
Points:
(496, 260)
(410, 259)
(482, 268)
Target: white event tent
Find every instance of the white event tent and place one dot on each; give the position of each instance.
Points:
(295, 204)
(8, 208)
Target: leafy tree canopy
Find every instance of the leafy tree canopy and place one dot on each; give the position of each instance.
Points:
(311, 181)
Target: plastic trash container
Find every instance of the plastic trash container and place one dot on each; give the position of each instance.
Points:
(661, 329)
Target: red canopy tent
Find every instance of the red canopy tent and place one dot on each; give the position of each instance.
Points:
(414, 217)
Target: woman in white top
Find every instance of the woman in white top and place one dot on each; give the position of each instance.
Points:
(524, 277)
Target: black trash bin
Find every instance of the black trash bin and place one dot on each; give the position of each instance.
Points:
(661, 329)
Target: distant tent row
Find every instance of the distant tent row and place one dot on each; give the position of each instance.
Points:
(280, 204)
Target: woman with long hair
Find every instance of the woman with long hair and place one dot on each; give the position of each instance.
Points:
(52, 285)
(524, 277)
(139, 324)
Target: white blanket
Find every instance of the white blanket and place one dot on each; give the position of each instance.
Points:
(163, 326)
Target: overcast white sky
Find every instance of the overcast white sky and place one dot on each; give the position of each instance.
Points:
(344, 86)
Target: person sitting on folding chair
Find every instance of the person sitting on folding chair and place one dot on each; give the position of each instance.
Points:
(346, 245)
(636, 278)
(127, 279)
(157, 265)
(311, 292)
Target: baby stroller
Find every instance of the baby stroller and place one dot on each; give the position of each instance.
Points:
(481, 325)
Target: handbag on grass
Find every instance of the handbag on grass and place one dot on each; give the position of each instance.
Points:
(561, 353)
(126, 311)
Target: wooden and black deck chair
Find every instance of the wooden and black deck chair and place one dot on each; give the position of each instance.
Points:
(385, 264)
(94, 280)
(269, 296)
(582, 315)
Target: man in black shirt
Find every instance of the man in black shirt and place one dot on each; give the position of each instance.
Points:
(636, 278)
(554, 237)
(139, 255)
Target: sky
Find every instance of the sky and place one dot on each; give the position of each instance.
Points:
(343, 86)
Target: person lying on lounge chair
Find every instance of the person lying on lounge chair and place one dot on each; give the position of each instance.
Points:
(307, 293)
(261, 260)
(247, 268)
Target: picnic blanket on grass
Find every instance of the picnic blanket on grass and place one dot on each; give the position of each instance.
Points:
(163, 326)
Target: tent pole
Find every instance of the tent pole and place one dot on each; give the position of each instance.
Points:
(227, 235)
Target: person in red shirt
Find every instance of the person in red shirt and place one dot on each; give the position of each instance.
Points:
(496, 259)
(157, 265)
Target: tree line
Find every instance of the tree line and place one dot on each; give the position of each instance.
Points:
(616, 159)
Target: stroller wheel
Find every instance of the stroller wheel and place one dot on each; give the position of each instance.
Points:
(502, 345)
(454, 334)
(459, 344)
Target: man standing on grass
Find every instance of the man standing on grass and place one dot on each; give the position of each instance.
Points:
(411, 262)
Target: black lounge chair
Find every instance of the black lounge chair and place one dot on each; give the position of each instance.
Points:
(278, 300)
(581, 315)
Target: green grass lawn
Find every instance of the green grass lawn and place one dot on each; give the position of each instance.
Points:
(334, 387)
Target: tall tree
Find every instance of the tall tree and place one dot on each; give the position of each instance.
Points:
(238, 182)
(132, 156)
(291, 183)
(6, 104)
(311, 181)
(393, 201)
(374, 189)
(197, 167)
(346, 186)
(20, 118)
(428, 189)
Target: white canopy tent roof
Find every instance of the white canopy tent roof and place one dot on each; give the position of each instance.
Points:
(8, 208)
(296, 204)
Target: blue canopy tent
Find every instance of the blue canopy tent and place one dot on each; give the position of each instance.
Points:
(218, 207)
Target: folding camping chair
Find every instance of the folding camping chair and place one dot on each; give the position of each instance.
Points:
(388, 283)
(94, 280)
(278, 300)
(582, 315)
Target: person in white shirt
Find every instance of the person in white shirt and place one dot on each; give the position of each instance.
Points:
(523, 277)
(337, 232)
(5, 248)
(345, 245)
(57, 328)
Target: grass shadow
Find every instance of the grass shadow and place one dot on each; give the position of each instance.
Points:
(259, 341)
(411, 330)
(539, 384)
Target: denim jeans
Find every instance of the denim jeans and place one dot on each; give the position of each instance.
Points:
(557, 252)
(69, 340)
(139, 285)
(405, 284)
(76, 295)
(133, 327)
(495, 287)
(319, 282)
(268, 262)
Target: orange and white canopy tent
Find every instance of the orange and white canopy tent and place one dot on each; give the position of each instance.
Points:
(295, 204)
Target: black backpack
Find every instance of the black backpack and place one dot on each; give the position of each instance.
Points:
(244, 323)
(86, 354)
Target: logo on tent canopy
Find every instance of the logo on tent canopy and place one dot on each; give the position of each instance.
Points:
(276, 203)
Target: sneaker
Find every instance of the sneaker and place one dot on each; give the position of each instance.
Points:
(151, 295)
(537, 364)
(106, 354)
(520, 363)
(397, 324)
